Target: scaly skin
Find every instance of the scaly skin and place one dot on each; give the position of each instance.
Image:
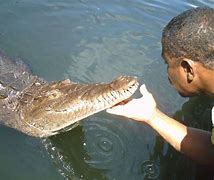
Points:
(41, 109)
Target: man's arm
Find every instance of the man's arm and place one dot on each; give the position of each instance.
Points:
(194, 143)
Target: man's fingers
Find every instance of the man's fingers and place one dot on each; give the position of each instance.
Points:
(143, 89)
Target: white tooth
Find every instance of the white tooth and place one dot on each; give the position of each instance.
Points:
(114, 94)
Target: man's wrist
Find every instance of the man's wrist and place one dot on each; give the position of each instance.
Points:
(154, 116)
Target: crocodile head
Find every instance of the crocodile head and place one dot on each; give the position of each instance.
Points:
(48, 109)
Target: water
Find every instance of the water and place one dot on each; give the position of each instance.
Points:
(94, 41)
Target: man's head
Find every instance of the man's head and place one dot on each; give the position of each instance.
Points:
(188, 48)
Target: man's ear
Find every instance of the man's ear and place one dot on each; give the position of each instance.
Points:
(189, 69)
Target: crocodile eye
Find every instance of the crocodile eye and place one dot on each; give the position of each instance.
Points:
(2, 96)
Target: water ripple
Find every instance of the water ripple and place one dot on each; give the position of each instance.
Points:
(208, 3)
(106, 147)
(150, 170)
(108, 144)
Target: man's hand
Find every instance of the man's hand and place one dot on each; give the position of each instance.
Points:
(141, 109)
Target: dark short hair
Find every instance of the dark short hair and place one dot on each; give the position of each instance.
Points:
(191, 35)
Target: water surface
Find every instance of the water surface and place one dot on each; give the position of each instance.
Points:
(94, 41)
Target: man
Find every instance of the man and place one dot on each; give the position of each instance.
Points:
(188, 50)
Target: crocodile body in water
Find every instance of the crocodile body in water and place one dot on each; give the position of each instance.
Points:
(40, 108)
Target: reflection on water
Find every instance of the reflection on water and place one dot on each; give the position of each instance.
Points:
(93, 41)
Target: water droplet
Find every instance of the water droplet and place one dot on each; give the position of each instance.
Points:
(105, 145)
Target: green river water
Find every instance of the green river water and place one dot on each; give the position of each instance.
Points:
(95, 41)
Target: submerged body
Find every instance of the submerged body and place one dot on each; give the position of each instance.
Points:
(38, 108)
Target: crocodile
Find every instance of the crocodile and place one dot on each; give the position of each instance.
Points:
(40, 108)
